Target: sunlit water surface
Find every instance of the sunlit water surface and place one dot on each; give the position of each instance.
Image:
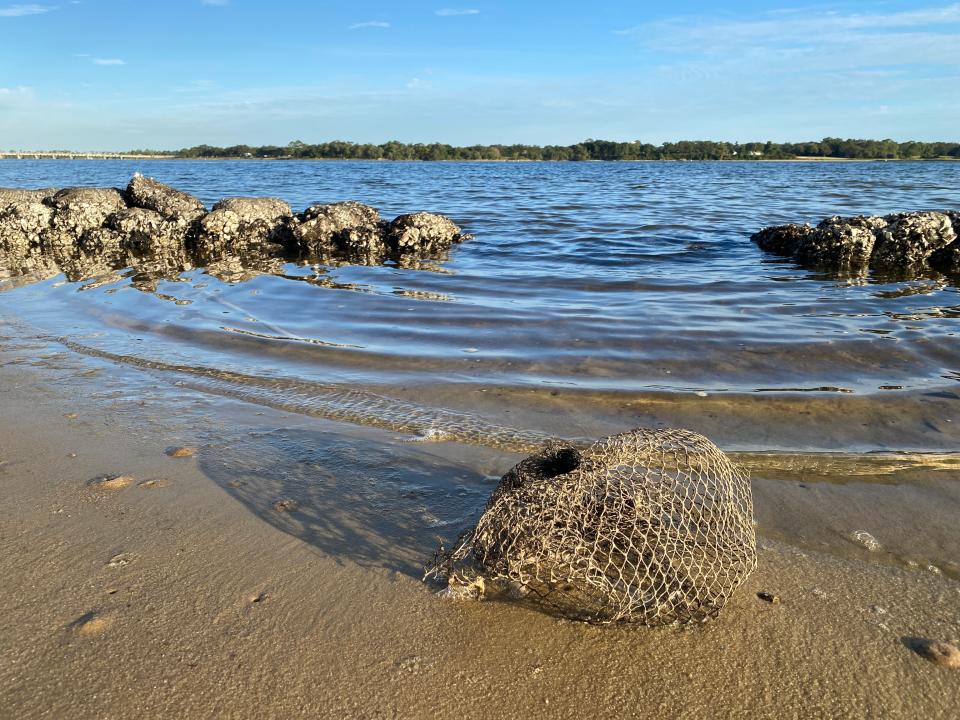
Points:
(622, 278)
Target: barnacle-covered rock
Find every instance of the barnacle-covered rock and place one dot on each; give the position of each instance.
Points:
(9, 196)
(159, 229)
(423, 233)
(143, 229)
(174, 205)
(344, 225)
(103, 241)
(23, 223)
(910, 238)
(236, 223)
(76, 210)
(840, 243)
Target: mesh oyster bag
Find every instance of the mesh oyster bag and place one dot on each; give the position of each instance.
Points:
(649, 526)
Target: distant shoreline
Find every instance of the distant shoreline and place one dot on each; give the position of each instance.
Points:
(125, 156)
(826, 150)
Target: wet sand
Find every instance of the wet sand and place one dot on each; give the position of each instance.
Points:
(274, 573)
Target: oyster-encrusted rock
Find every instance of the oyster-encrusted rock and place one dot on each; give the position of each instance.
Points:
(781, 239)
(76, 210)
(172, 204)
(143, 229)
(102, 241)
(23, 223)
(160, 230)
(256, 209)
(422, 232)
(910, 238)
(954, 219)
(235, 223)
(840, 243)
(10, 196)
(947, 259)
(348, 226)
(365, 246)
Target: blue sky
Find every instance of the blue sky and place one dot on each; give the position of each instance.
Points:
(117, 74)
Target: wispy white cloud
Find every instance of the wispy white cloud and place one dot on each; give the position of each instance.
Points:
(24, 10)
(453, 12)
(14, 97)
(195, 86)
(806, 40)
(108, 61)
(369, 24)
(799, 25)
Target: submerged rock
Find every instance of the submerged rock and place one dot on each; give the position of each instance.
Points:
(423, 232)
(910, 238)
(175, 205)
(781, 239)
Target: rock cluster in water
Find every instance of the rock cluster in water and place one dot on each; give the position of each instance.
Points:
(904, 243)
(82, 230)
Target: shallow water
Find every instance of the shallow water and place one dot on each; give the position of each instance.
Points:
(620, 280)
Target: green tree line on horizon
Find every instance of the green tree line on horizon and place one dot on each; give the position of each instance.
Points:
(587, 150)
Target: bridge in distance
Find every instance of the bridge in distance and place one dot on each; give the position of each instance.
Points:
(54, 155)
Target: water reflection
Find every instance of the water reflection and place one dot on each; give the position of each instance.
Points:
(144, 268)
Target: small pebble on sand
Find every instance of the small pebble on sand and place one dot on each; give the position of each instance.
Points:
(71, 416)
(111, 482)
(285, 505)
(181, 452)
(866, 539)
(120, 560)
(769, 597)
(151, 484)
(91, 625)
(940, 653)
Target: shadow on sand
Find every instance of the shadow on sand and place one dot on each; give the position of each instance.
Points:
(379, 504)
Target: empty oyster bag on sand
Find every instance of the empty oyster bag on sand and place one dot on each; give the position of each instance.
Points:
(649, 526)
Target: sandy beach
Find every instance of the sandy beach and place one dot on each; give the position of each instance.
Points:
(275, 572)
(397, 361)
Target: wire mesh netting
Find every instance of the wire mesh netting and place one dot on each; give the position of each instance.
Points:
(649, 526)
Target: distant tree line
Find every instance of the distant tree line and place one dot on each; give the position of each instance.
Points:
(587, 150)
